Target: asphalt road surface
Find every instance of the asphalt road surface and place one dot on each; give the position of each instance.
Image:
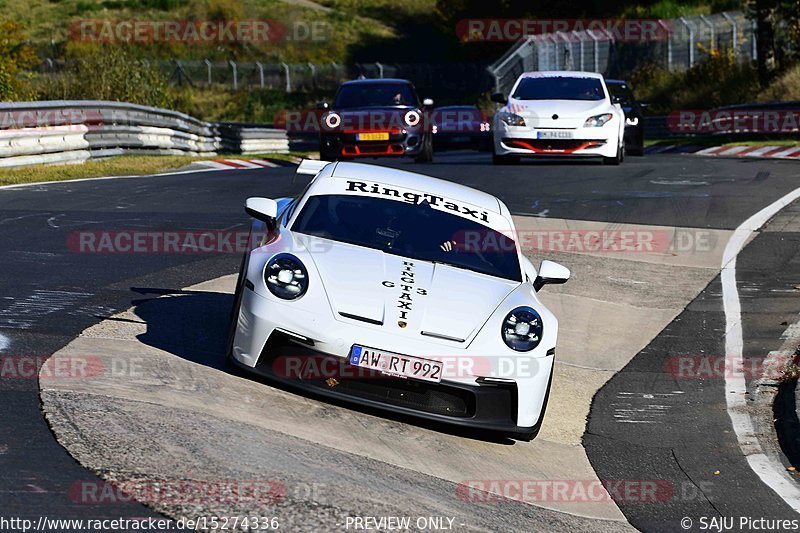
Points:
(51, 292)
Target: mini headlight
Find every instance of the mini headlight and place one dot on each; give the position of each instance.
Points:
(411, 118)
(522, 329)
(597, 120)
(632, 121)
(332, 120)
(286, 277)
(511, 119)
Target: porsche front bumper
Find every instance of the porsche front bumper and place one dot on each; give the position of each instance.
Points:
(267, 333)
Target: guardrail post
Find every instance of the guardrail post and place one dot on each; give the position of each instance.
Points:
(734, 32)
(208, 70)
(380, 69)
(753, 40)
(313, 75)
(260, 68)
(288, 77)
(235, 72)
(580, 46)
(711, 29)
(668, 29)
(595, 50)
(557, 38)
(691, 40)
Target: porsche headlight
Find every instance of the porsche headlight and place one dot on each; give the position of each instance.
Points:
(511, 119)
(597, 120)
(286, 277)
(332, 120)
(411, 118)
(522, 329)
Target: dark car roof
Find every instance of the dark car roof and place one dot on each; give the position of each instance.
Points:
(376, 80)
(616, 82)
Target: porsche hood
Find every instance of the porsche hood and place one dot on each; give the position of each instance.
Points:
(407, 296)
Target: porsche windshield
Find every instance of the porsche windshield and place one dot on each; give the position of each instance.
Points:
(417, 231)
(559, 88)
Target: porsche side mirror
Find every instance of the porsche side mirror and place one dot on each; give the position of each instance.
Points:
(550, 273)
(265, 209)
(427, 102)
(499, 98)
(322, 105)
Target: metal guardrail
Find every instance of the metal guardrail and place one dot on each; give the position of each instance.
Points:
(773, 119)
(75, 131)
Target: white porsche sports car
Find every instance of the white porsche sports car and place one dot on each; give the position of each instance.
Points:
(559, 113)
(400, 292)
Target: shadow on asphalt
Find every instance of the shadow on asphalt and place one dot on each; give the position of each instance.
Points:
(193, 325)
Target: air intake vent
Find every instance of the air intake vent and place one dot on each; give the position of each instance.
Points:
(362, 319)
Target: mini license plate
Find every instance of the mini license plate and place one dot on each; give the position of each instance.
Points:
(395, 364)
(379, 136)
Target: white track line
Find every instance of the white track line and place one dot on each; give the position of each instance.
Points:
(215, 164)
(733, 150)
(264, 163)
(786, 152)
(761, 151)
(241, 163)
(772, 474)
(710, 151)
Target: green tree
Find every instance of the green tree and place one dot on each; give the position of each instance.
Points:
(16, 56)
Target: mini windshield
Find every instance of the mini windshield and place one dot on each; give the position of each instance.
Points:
(417, 231)
(559, 88)
(375, 95)
(621, 91)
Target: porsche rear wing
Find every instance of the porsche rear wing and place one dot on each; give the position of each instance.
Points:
(311, 166)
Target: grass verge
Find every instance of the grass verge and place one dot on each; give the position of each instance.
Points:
(125, 165)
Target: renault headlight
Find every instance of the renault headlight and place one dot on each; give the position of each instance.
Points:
(597, 120)
(522, 329)
(511, 119)
(286, 277)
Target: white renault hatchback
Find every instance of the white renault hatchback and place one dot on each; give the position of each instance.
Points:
(559, 113)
